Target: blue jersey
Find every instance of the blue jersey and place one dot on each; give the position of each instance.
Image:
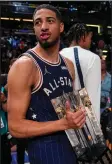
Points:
(54, 80)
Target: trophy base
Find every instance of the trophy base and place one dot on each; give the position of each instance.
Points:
(92, 154)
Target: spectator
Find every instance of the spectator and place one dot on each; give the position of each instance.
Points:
(105, 86)
(5, 144)
(79, 36)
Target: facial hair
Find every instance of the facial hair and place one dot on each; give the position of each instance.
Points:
(46, 44)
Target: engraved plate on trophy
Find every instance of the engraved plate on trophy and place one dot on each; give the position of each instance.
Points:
(82, 140)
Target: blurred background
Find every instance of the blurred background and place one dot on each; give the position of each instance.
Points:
(17, 33)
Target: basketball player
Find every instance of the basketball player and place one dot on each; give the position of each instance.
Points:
(36, 78)
(79, 36)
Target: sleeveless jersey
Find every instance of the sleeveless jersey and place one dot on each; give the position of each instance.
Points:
(54, 80)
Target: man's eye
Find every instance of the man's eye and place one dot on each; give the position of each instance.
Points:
(37, 22)
(50, 21)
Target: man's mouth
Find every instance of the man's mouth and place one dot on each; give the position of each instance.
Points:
(44, 36)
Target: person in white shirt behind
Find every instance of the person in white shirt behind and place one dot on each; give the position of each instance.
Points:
(80, 36)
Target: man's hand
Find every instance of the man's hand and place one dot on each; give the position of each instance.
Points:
(75, 120)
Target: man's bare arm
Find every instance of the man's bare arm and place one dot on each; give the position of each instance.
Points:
(20, 79)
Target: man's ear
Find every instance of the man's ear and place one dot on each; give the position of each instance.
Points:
(83, 38)
(61, 27)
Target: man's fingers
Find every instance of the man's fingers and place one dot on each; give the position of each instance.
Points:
(67, 106)
(82, 122)
(79, 113)
(79, 118)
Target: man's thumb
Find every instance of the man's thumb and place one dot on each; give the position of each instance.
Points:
(67, 106)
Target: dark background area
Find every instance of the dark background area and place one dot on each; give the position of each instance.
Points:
(14, 24)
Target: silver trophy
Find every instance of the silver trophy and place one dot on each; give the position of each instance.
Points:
(87, 140)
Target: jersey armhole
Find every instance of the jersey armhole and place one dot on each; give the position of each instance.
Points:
(40, 82)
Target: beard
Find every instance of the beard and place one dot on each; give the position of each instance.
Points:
(46, 44)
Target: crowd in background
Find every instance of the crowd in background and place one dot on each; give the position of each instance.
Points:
(13, 45)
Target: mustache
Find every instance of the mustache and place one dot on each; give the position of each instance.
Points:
(46, 44)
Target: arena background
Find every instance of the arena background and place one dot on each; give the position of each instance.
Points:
(17, 27)
(17, 33)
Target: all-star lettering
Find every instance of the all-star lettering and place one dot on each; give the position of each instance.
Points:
(47, 91)
(57, 86)
(63, 81)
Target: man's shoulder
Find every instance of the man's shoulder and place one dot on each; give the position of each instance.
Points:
(22, 65)
(83, 53)
(87, 53)
(24, 60)
(65, 51)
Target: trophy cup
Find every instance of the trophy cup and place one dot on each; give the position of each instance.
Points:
(87, 142)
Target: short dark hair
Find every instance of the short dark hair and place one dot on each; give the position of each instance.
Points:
(49, 7)
(78, 30)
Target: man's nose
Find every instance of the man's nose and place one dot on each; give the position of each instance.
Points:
(44, 26)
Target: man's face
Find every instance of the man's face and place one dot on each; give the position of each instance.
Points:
(87, 40)
(47, 27)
